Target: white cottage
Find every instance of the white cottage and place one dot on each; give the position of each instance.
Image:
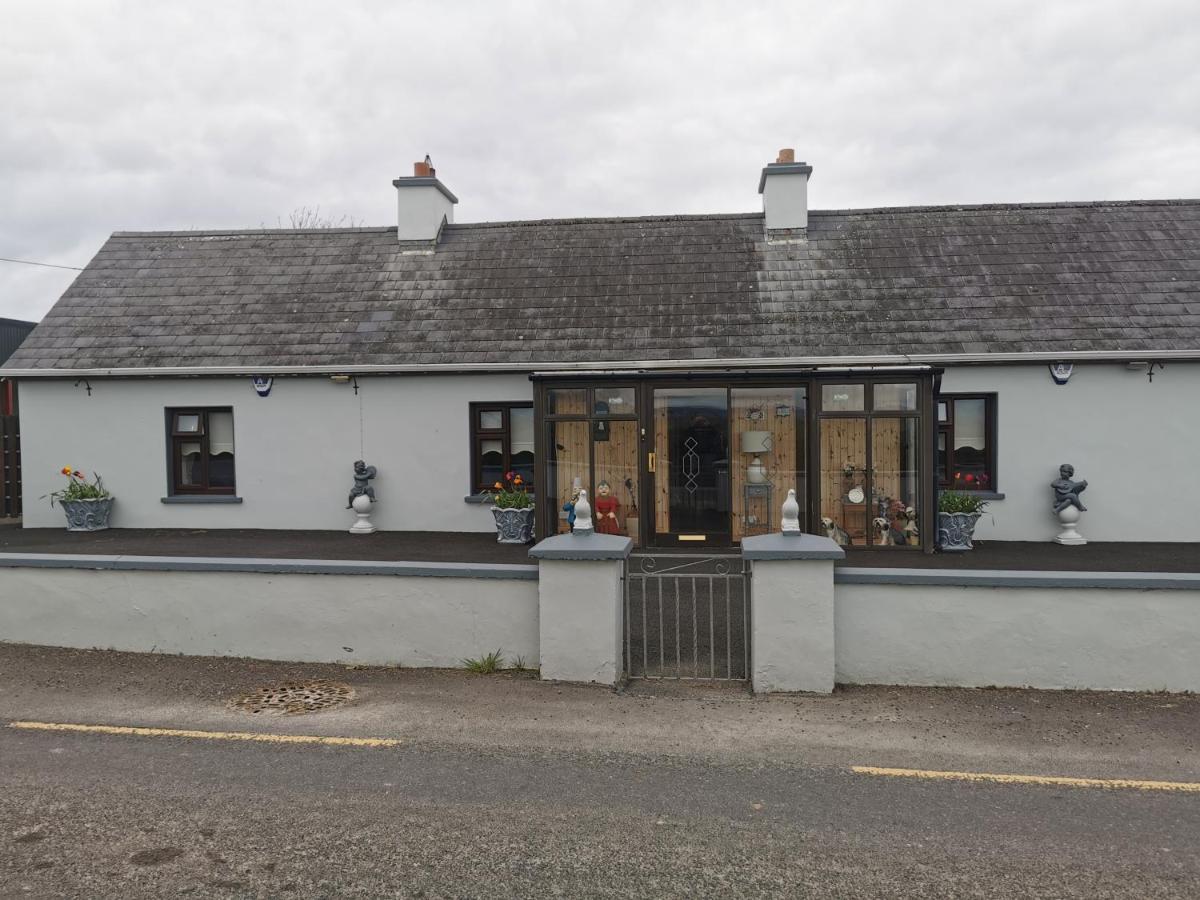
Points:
(695, 366)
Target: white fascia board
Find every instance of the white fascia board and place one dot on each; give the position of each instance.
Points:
(837, 362)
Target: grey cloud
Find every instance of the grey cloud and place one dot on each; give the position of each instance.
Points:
(144, 115)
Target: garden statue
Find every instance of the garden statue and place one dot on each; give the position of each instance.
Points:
(569, 507)
(912, 533)
(362, 495)
(606, 510)
(790, 518)
(362, 474)
(583, 515)
(1067, 506)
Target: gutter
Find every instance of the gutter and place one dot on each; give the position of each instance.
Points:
(835, 362)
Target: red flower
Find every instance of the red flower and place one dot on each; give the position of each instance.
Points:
(77, 474)
(970, 479)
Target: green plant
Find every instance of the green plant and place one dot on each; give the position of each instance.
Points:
(955, 502)
(79, 488)
(511, 494)
(485, 665)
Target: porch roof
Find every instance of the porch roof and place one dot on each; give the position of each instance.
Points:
(895, 284)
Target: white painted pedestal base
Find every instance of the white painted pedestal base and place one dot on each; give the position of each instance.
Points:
(362, 509)
(1067, 517)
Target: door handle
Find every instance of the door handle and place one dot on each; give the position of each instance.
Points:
(650, 461)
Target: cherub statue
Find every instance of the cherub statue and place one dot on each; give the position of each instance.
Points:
(1066, 491)
(362, 474)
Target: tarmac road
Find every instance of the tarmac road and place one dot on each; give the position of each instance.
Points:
(507, 787)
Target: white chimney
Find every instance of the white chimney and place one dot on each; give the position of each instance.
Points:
(784, 189)
(425, 204)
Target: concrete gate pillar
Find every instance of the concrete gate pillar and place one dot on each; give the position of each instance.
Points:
(791, 611)
(580, 602)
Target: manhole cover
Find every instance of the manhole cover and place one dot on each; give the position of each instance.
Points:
(294, 698)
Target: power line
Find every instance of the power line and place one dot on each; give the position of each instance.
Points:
(30, 262)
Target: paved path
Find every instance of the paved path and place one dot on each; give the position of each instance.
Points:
(503, 786)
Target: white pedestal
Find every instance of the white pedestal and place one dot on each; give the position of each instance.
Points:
(1067, 517)
(362, 509)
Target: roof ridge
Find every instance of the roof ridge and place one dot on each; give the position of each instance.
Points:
(454, 226)
(691, 217)
(985, 207)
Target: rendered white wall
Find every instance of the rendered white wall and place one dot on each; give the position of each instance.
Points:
(1133, 440)
(792, 638)
(1099, 639)
(295, 449)
(580, 620)
(384, 620)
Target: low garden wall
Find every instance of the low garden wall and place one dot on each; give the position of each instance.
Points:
(1101, 631)
(408, 614)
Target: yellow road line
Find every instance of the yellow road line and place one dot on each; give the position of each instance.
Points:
(1056, 780)
(210, 735)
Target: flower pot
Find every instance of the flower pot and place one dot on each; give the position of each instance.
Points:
(513, 526)
(955, 530)
(87, 515)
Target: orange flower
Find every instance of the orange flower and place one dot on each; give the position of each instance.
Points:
(518, 480)
(66, 470)
(498, 486)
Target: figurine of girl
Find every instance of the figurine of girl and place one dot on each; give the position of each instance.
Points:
(605, 508)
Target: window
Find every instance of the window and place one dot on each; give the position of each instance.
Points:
(870, 480)
(501, 442)
(201, 447)
(966, 442)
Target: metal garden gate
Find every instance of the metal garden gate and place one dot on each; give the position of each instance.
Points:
(687, 617)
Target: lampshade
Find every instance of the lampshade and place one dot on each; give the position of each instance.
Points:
(756, 441)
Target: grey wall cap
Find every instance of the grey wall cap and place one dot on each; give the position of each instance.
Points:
(790, 546)
(269, 566)
(201, 498)
(424, 181)
(1000, 578)
(583, 546)
(783, 169)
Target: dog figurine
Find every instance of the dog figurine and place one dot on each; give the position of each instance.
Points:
(834, 532)
(912, 534)
(883, 532)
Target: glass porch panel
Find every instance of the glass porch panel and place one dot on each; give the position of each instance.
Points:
(896, 490)
(769, 456)
(691, 443)
(844, 504)
(615, 448)
(568, 466)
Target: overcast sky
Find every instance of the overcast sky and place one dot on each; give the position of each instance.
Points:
(155, 115)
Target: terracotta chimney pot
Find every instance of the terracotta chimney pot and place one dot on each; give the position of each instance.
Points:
(787, 155)
(422, 170)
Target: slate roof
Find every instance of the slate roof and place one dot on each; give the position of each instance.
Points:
(929, 280)
(12, 333)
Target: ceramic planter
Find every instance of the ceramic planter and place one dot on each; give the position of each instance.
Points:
(513, 526)
(955, 530)
(87, 515)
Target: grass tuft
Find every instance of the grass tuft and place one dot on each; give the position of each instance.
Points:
(485, 665)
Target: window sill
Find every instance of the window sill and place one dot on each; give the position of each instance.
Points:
(202, 498)
(485, 498)
(982, 495)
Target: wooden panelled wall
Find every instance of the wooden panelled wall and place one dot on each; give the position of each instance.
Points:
(765, 405)
(844, 441)
(616, 459)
